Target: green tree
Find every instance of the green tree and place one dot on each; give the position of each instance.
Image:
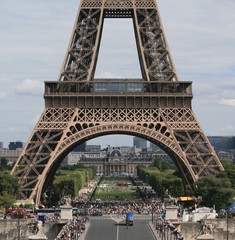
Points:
(3, 163)
(68, 181)
(158, 163)
(8, 189)
(7, 200)
(161, 181)
(163, 165)
(8, 183)
(215, 191)
(229, 171)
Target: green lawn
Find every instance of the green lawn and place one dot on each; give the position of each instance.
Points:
(112, 192)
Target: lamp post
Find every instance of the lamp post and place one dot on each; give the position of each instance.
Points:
(227, 223)
(167, 231)
(152, 212)
(18, 228)
(172, 235)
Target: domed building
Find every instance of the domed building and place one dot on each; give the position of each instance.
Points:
(115, 163)
(118, 164)
(116, 155)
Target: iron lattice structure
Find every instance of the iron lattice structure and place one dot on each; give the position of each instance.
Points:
(79, 107)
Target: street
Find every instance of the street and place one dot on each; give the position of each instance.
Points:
(114, 228)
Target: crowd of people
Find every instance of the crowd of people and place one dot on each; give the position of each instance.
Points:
(140, 207)
(85, 208)
(73, 229)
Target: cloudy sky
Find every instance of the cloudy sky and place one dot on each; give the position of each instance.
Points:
(34, 36)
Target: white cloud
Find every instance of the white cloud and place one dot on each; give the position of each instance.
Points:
(30, 87)
(228, 102)
(2, 95)
(201, 39)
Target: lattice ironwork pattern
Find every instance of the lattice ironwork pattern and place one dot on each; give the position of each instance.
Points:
(122, 4)
(34, 159)
(79, 107)
(81, 50)
(199, 152)
(158, 61)
(188, 143)
(80, 61)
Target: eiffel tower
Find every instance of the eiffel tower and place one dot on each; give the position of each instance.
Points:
(79, 107)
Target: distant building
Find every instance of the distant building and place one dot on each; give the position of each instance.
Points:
(139, 142)
(110, 162)
(74, 158)
(93, 148)
(224, 147)
(124, 150)
(80, 148)
(222, 143)
(115, 163)
(163, 157)
(10, 155)
(13, 153)
(15, 145)
(227, 155)
(155, 147)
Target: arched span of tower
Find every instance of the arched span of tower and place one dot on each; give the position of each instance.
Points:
(161, 137)
(59, 130)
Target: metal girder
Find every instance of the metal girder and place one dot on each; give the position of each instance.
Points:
(79, 107)
(184, 139)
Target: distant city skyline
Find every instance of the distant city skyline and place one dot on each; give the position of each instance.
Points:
(115, 140)
(35, 36)
(218, 142)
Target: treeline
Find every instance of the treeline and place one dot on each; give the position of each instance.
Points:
(162, 177)
(217, 191)
(9, 189)
(4, 164)
(68, 181)
(8, 185)
(214, 191)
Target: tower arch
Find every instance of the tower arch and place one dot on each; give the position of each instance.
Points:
(164, 141)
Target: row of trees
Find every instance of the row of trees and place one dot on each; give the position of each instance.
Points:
(8, 185)
(8, 189)
(162, 177)
(216, 191)
(68, 181)
(4, 164)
